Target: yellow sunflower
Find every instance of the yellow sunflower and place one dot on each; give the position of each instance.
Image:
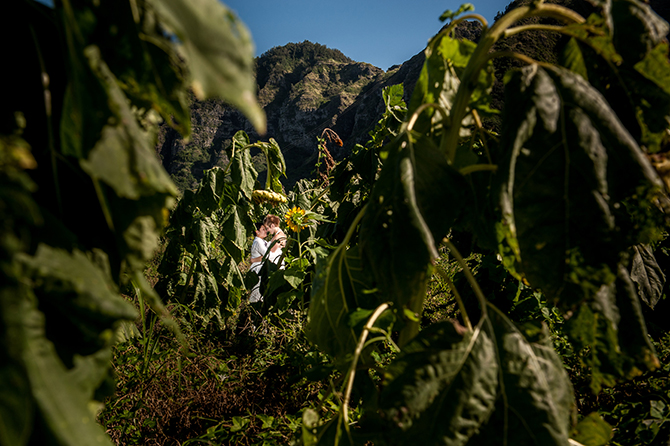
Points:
(295, 219)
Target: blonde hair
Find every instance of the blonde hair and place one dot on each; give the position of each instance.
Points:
(271, 219)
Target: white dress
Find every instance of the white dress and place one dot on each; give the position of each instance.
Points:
(258, 249)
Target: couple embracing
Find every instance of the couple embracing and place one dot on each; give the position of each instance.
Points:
(259, 249)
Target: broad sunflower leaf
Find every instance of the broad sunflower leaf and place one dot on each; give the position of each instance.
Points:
(124, 157)
(243, 174)
(655, 66)
(62, 402)
(442, 388)
(276, 165)
(490, 386)
(416, 199)
(340, 286)
(219, 52)
(209, 194)
(576, 192)
(562, 185)
(446, 59)
(592, 430)
(235, 228)
(536, 402)
(73, 287)
(572, 58)
(64, 374)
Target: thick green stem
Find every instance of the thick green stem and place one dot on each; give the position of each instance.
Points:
(479, 58)
(188, 279)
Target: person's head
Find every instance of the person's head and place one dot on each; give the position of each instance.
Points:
(271, 222)
(261, 230)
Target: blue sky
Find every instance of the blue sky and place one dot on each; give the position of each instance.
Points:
(380, 32)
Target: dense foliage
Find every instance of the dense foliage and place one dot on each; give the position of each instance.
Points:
(538, 243)
(84, 196)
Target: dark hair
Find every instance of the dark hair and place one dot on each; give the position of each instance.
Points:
(271, 219)
(259, 225)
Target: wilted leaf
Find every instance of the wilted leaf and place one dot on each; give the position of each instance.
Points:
(648, 276)
(275, 163)
(242, 171)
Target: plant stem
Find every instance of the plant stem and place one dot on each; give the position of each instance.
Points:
(479, 59)
(352, 368)
(188, 279)
(459, 300)
(468, 275)
(477, 167)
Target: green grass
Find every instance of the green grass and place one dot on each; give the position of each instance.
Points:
(235, 387)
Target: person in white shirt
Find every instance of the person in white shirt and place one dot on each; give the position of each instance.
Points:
(258, 249)
(271, 223)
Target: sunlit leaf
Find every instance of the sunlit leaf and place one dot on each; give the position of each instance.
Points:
(592, 430)
(446, 59)
(218, 50)
(573, 58)
(442, 388)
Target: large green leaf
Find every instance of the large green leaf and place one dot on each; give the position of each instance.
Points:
(446, 59)
(276, 165)
(592, 430)
(62, 402)
(124, 157)
(490, 386)
(414, 202)
(209, 195)
(66, 358)
(573, 188)
(442, 388)
(218, 50)
(340, 286)
(563, 183)
(536, 403)
(73, 287)
(242, 171)
(236, 228)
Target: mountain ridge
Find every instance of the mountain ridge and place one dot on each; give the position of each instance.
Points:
(307, 87)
